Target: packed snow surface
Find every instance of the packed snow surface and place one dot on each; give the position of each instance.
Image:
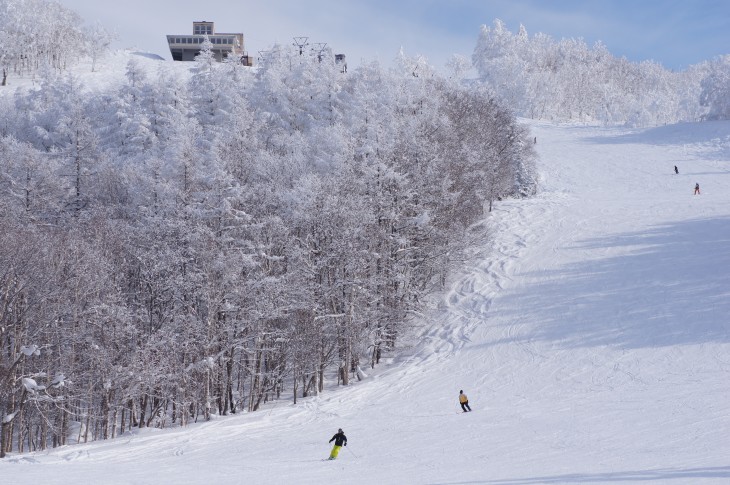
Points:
(591, 335)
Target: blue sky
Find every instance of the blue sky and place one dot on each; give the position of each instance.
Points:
(672, 32)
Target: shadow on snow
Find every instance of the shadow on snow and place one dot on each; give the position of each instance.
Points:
(664, 474)
(673, 288)
(712, 136)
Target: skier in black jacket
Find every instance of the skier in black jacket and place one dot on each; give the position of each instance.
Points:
(340, 440)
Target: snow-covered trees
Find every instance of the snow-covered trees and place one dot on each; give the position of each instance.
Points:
(36, 33)
(96, 41)
(203, 245)
(716, 89)
(568, 80)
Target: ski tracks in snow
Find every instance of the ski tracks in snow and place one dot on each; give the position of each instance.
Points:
(466, 305)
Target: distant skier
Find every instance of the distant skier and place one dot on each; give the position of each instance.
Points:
(464, 401)
(676, 170)
(340, 440)
(697, 189)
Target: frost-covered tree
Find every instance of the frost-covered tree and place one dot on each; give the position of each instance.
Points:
(29, 181)
(34, 33)
(716, 89)
(569, 80)
(97, 40)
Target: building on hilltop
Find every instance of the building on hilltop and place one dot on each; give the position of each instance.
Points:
(186, 47)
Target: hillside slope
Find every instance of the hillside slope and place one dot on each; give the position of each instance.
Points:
(592, 338)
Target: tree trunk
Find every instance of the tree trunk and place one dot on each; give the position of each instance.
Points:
(206, 410)
(105, 414)
(44, 434)
(143, 410)
(88, 423)
(18, 422)
(230, 404)
(3, 429)
(64, 425)
(114, 423)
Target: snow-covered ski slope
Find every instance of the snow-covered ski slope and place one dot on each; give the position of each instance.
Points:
(592, 337)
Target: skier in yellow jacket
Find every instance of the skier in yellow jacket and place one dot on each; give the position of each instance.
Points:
(464, 401)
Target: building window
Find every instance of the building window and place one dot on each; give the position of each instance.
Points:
(203, 29)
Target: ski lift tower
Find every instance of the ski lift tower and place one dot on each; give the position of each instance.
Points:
(301, 43)
(319, 48)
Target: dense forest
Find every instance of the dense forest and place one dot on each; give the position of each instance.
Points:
(39, 34)
(177, 246)
(568, 80)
